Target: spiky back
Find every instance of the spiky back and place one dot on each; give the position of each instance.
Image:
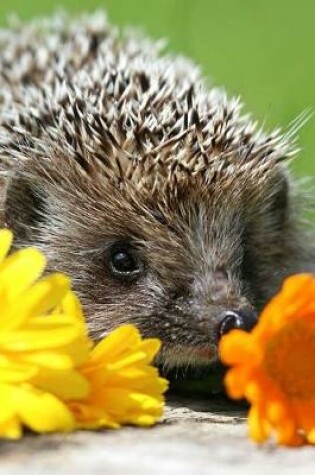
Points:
(113, 104)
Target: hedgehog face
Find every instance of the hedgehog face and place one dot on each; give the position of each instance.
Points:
(176, 263)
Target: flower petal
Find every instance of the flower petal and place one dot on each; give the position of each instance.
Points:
(66, 385)
(237, 347)
(49, 377)
(15, 370)
(27, 340)
(23, 268)
(272, 366)
(48, 359)
(7, 412)
(235, 381)
(39, 299)
(6, 238)
(70, 306)
(42, 412)
(259, 428)
(11, 429)
(305, 415)
(118, 342)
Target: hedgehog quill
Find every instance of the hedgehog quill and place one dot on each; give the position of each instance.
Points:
(167, 206)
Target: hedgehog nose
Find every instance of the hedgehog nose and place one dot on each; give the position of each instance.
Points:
(242, 319)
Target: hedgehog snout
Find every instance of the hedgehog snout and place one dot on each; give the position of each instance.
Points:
(242, 319)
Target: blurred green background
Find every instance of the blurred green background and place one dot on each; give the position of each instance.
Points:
(262, 50)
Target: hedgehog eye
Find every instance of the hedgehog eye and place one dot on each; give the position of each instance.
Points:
(124, 263)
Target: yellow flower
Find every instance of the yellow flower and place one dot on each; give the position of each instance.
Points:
(125, 389)
(273, 366)
(41, 341)
(51, 378)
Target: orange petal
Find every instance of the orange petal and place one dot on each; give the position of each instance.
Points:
(259, 427)
(305, 414)
(311, 437)
(236, 380)
(237, 347)
(296, 293)
(298, 288)
(287, 433)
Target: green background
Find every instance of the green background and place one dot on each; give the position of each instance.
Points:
(260, 50)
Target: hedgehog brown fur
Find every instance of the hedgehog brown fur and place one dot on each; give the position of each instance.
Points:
(109, 148)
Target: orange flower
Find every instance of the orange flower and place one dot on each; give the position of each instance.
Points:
(273, 367)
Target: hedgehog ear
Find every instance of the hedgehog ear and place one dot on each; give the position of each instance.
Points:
(24, 206)
(280, 198)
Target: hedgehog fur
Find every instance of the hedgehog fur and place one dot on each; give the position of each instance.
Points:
(104, 140)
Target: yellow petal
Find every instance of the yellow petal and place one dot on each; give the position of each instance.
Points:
(145, 380)
(68, 384)
(39, 299)
(48, 359)
(61, 347)
(6, 238)
(144, 420)
(121, 403)
(46, 294)
(6, 403)
(116, 343)
(129, 360)
(20, 270)
(51, 321)
(146, 401)
(150, 346)
(11, 429)
(14, 371)
(91, 417)
(42, 412)
(70, 305)
(78, 350)
(24, 340)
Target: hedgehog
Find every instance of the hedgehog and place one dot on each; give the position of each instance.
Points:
(167, 205)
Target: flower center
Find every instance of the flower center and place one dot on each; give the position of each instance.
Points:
(290, 359)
